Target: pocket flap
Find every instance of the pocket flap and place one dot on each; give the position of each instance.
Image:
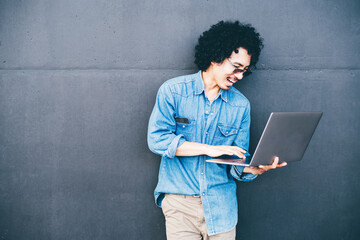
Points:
(227, 130)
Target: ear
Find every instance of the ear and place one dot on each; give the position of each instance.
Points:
(212, 65)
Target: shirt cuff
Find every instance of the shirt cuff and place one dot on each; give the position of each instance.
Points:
(175, 143)
(237, 173)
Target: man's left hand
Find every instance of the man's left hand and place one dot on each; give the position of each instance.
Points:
(263, 168)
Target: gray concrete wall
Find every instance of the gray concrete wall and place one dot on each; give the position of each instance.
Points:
(78, 80)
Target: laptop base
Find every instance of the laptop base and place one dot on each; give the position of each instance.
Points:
(238, 162)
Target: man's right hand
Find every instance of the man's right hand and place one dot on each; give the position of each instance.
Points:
(216, 151)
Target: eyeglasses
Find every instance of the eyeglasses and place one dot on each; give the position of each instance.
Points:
(245, 72)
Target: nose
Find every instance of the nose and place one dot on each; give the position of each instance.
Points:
(239, 76)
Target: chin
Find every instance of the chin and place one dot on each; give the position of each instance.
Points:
(225, 87)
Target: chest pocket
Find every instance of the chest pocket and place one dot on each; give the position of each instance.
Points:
(225, 134)
(187, 129)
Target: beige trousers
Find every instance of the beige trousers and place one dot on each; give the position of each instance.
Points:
(184, 219)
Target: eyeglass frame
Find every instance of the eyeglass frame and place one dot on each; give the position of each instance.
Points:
(245, 72)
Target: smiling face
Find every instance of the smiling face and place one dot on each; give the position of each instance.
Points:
(223, 73)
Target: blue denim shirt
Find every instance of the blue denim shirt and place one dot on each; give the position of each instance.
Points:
(226, 121)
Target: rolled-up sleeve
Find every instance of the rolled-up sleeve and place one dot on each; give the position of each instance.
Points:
(161, 136)
(242, 140)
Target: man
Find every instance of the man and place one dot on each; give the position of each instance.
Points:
(199, 116)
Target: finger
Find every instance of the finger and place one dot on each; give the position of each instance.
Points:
(263, 168)
(266, 167)
(240, 155)
(240, 149)
(235, 151)
(236, 148)
(275, 163)
(232, 152)
(282, 164)
(242, 152)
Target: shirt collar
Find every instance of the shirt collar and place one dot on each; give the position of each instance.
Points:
(224, 94)
(199, 84)
(200, 87)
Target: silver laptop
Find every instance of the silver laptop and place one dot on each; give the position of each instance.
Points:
(286, 135)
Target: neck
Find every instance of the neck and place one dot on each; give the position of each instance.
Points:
(209, 81)
(211, 88)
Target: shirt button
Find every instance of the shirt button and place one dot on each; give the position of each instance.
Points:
(227, 132)
(183, 126)
(202, 173)
(206, 133)
(203, 194)
(207, 112)
(211, 113)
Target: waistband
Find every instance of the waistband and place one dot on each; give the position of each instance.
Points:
(184, 196)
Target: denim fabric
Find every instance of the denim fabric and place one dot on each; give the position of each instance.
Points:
(226, 121)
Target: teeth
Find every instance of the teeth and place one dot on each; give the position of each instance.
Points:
(230, 80)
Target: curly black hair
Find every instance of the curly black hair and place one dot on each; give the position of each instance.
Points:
(218, 43)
